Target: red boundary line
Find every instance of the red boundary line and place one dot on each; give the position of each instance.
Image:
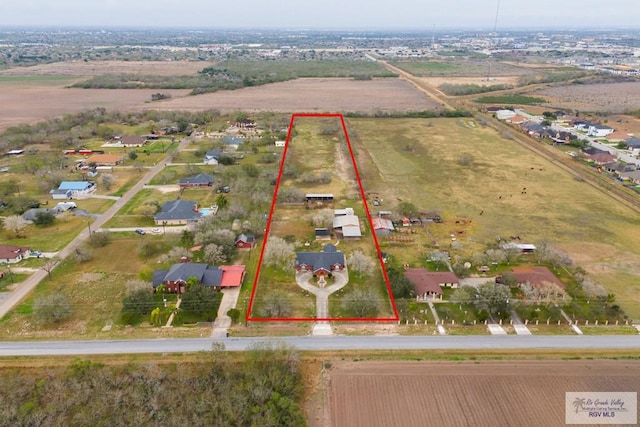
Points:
(248, 317)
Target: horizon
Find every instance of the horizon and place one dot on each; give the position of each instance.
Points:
(331, 15)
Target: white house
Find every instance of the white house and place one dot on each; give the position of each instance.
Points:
(280, 143)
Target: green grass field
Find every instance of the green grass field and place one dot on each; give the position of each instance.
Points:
(506, 191)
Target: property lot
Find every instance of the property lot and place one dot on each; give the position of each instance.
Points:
(486, 393)
(417, 161)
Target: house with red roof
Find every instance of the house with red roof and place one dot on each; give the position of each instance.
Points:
(538, 281)
(12, 254)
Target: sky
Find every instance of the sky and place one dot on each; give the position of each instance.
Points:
(325, 14)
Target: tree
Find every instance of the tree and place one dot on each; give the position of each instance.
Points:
(147, 210)
(53, 308)
(407, 209)
(322, 218)
(133, 155)
(401, 287)
(214, 254)
(493, 297)
(44, 218)
(15, 224)
(361, 264)
(279, 253)
(361, 303)
(137, 303)
(50, 264)
(221, 201)
(275, 304)
(464, 295)
(252, 171)
(82, 253)
(106, 180)
(99, 239)
(201, 300)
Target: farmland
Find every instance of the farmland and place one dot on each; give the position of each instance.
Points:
(483, 393)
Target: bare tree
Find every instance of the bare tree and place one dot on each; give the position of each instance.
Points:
(53, 308)
(493, 297)
(82, 253)
(50, 264)
(361, 303)
(106, 180)
(15, 224)
(465, 159)
(279, 253)
(276, 305)
(322, 218)
(496, 255)
(361, 264)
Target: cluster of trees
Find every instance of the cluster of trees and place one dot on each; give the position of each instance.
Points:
(260, 387)
(426, 114)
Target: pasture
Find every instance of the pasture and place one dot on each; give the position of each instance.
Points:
(505, 191)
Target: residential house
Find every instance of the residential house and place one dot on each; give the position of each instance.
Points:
(596, 130)
(618, 136)
(133, 141)
(104, 160)
(245, 241)
(516, 120)
(73, 189)
(602, 158)
(539, 281)
(561, 137)
(321, 263)
(177, 212)
(633, 145)
(535, 130)
(619, 167)
(199, 180)
(211, 157)
(175, 279)
(633, 176)
(382, 226)
(347, 227)
(30, 215)
(12, 254)
(428, 284)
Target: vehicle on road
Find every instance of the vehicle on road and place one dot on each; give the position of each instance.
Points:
(156, 230)
(140, 231)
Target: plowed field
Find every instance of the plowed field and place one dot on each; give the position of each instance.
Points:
(487, 393)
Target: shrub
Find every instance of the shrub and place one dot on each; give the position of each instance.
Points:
(52, 309)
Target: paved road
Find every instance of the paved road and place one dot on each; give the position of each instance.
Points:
(18, 294)
(47, 348)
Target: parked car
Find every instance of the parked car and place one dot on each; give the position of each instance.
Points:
(156, 230)
(36, 254)
(140, 231)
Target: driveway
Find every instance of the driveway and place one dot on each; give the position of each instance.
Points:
(304, 280)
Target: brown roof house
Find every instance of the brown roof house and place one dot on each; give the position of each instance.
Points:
(538, 282)
(428, 284)
(12, 254)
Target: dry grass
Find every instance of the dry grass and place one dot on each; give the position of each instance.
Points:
(416, 161)
(610, 97)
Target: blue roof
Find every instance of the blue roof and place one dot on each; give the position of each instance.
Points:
(75, 185)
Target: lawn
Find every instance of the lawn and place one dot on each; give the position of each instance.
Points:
(416, 160)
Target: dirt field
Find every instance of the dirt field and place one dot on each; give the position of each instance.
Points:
(610, 97)
(311, 95)
(97, 68)
(486, 393)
